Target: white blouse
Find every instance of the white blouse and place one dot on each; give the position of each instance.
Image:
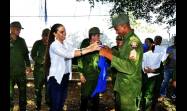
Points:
(61, 63)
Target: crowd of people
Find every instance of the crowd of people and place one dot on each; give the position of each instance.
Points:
(140, 72)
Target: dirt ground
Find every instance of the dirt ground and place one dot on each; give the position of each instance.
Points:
(72, 102)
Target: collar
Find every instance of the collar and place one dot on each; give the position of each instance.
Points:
(126, 37)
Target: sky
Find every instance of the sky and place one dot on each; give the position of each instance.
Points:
(77, 17)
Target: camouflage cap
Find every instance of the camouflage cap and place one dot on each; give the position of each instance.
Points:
(119, 19)
(94, 30)
(16, 24)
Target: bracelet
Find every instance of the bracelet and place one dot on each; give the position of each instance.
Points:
(81, 52)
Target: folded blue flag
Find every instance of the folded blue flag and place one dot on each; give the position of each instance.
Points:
(101, 83)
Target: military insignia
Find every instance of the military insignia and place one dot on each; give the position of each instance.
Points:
(134, 45)
(132, 55)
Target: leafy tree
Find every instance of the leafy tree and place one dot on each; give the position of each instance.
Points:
(165, 10)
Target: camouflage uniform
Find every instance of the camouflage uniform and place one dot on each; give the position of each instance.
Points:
(128, 78)
(115, 51)
(113, 71)
(38, 54)
(88, 66)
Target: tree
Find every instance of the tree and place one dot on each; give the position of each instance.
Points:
(165, 10)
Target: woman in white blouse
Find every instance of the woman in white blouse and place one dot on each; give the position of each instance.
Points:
(58, 65)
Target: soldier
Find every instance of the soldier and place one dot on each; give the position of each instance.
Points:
(19, 64)
(38, 56)
(127, 63)
(89, 73)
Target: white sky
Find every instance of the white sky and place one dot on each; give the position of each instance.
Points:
(76, 27)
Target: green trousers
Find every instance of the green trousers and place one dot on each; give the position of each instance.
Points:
(150, 92)
(39, 81)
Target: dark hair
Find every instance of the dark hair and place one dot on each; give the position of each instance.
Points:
(90, 35)
(152, 42)
(158, 37)
(45, 32)
(158, 40)
(54, 28)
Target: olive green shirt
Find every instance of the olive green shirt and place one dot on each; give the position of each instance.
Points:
(128, 78)
(38, 53)
(88, 66)
(19, 58)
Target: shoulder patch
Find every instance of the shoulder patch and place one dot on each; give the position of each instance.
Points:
(133, 55)
(134, 42)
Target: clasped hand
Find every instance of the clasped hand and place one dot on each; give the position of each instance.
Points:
(106, 52)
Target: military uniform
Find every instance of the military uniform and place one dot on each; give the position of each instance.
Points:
(115, 51)
(19, 60)
(88, 66)
(38, 54)
(127, 63)
(113, 71)
(128, 78)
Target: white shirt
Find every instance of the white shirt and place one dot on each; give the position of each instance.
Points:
(151, 60)
(161, 50)
(61, 63)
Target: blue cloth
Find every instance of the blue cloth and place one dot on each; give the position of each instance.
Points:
(145, 48)
(101, 83)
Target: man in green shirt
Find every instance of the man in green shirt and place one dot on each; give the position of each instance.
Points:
(88, 66)
(19, 65)
(128, 65)
(38, 56)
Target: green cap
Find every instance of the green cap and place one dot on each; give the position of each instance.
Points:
(94, 30)
(45, 32)
(119, 19)
(16, 24)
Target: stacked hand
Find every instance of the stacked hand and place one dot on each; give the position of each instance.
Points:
(106, 52)
(148, 70)
(95, 46)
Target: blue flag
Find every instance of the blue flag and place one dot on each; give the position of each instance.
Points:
(101, 83)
